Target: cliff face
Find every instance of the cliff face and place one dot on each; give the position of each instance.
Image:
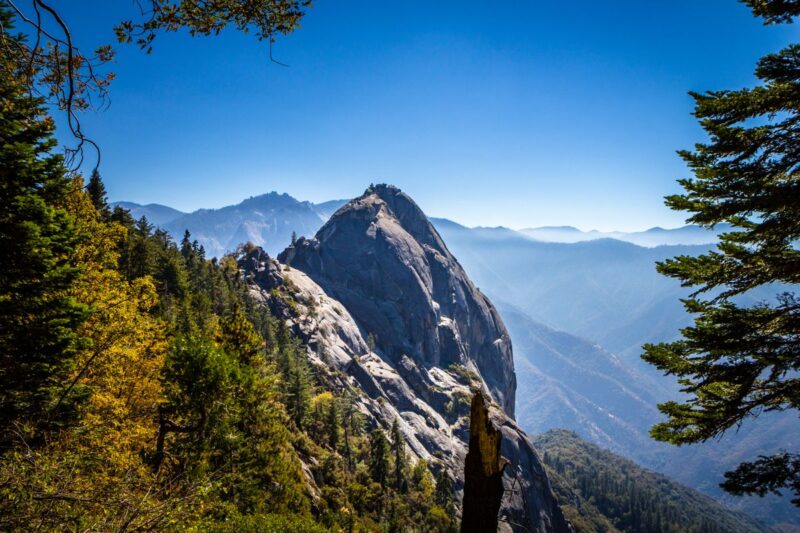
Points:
(381, 257)
(389, 314)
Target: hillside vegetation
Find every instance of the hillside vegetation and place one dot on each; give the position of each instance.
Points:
(601, 491)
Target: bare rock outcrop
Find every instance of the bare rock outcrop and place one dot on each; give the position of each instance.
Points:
(388, 313)
(381, 257)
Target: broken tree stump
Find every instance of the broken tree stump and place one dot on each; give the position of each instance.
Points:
(483, 472)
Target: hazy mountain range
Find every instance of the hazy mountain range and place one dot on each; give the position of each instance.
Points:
(268, 220)
(652, 237)
(266, 217)
(578, 315)
(578, 306)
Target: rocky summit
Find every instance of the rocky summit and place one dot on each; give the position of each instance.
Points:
(388, 314)
(381, 257)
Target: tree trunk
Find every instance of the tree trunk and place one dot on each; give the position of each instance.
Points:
(483, 472)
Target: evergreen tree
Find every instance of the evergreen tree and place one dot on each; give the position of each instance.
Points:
(39, 317)
(186, 245)
(737, 361)
(143, 227)
(348, 423)
(122, 216)
(300, 391)
(284, 354)
(444, 496)
(332, 425)
(379, 457)
(239, 337)
(139, 255)
(293, 366)
(97, 193)
(400, 461)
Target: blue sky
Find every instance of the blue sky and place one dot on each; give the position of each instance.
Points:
(518, 113)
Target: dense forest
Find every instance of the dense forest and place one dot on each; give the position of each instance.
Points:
(143, 388)
(601, 491)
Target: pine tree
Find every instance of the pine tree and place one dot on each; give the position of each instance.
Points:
(139, 255)
(97, 193)
(284, 354)
(400, 460)
(143, 227)
(39, 318)
(379, 457)
(238, 337)
(300, 391)
(737, 361)
(186, 245)
(332, 425)
(348, 422)
(293, 366)
(444, 496)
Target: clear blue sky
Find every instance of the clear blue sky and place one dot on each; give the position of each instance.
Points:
(518, 113)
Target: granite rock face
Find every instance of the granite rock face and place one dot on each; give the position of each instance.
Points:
(388, 314)
(381, 257)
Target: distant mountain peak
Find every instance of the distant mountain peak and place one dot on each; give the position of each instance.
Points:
(273, 199)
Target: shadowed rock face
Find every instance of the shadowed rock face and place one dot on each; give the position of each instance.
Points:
(383, 260)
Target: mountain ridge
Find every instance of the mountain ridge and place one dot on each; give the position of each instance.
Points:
(411, 331)
(656, 236)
